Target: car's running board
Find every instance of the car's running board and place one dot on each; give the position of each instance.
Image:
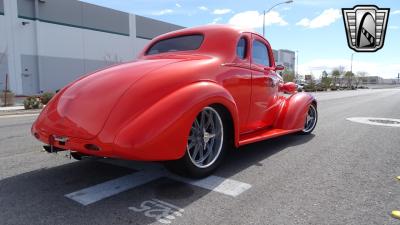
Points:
(263, 135)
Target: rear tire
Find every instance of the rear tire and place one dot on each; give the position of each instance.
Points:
(311, 120)
(209, 140)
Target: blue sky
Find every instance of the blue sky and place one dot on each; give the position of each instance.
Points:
(313, 27)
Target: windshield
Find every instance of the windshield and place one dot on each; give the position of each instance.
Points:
(180, 43)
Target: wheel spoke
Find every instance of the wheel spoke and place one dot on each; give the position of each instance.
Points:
(196, 150)
(211, 135)
(202, 120)
(196, 124)
(212, 153)
(192, 138)
(193, 129)
(191, 145)
(209, 122)
(201, 152)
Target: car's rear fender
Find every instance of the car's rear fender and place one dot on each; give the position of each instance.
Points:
(293, 111)
(161, 131)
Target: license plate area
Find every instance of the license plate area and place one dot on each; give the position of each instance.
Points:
(60, 140)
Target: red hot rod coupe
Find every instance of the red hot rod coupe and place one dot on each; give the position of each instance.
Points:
(190, 96)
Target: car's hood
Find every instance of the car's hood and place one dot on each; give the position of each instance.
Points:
(84, 106)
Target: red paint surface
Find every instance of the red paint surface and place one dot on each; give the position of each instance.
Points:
(143, 110)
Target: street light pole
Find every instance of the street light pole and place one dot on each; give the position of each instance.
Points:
(297, 65)
(264, 24)
(267, 11)
(351, 64)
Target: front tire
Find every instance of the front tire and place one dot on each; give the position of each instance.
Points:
(311, 120)
(208, 141)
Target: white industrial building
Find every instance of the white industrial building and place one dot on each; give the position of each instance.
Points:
(286, 58)
(45, 44)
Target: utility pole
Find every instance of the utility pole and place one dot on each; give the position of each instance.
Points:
(264, 24)
(297, 65)
(351, 64)
(5, 91)
(267, 11)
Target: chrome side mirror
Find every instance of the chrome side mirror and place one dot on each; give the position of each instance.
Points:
(279, 67)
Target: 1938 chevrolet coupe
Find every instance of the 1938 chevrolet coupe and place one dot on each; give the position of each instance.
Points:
(190, 96)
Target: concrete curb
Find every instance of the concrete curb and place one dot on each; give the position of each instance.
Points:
(19, 112)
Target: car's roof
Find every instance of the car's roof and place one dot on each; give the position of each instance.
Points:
(214, 28)
(219, 39)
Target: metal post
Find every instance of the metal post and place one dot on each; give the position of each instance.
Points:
(5, 92)
(297, 64)
(351, 65)
(264, 24)
(37, 32)
(267, 11)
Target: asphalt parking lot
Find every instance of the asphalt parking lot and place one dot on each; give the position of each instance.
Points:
(342, 174)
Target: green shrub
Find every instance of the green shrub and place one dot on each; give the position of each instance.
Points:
(33, 102)
(46, 97)
(309, 87)
(320, 87)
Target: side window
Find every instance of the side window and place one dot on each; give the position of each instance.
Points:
(241, 48)
(260, 53)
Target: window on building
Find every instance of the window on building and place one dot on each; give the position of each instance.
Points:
(241, 48)
(260, 53)
(175, 44)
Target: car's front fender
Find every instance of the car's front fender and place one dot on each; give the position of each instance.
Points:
(161, 131)
(293, 111)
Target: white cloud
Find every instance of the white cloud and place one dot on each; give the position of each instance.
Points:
(326, 18)
(396, 12)
(221, 11)
(163, 12)
(254, 19)
(303, 22)
(178, 5)
(394, 27)
(385, 70)
(312, 2)
(203, 8)
(216, 20)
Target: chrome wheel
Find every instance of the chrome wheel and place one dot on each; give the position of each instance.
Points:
(311, 119)
(205, 138)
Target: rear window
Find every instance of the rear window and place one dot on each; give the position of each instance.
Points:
(175, 44)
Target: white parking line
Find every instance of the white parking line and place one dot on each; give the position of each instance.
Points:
(218, 184)
(16, 116)
(388, 122)
(107, 189)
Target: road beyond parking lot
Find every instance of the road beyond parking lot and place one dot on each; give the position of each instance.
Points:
(342, 174)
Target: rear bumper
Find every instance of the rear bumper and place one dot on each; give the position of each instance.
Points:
(145, 152)
(73, 144)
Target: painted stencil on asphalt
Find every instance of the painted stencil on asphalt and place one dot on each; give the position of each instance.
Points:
(163, 212)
